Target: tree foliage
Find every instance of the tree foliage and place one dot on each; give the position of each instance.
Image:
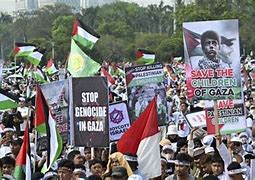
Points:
(124, 27)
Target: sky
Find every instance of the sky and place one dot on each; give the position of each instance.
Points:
(147, 2)
(7, 5)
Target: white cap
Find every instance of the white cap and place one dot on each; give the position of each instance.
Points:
(207, 140)
(22, 99)
(9, 129)
(243, 134)
(167, 147)
(172, 130)
(209, 150)
(198, 151)
(135, 177)
(236, 139)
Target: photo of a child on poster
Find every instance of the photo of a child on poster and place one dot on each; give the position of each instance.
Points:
(212, 60)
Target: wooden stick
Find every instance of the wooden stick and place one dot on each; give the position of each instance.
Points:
(216, 121)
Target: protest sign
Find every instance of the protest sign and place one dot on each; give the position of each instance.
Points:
(56, 95)
(252, 169)
(89, 111)
(231, 116)
(196, 119)
(143, 82)
(118, 120)
(212, 60)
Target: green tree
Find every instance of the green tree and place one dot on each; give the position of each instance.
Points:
(61, 36)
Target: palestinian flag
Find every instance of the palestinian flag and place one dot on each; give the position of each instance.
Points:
(114, 70)
(145, 57)
(79, 64)
(50, 68)
(106, 74)
(83, 34)
(23, 161)
(7, 100)
(46, 124)
(39, 75)
(23, 49)
(142, 139)
(36, 56)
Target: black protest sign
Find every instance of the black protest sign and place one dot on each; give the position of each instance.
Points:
(89, 111)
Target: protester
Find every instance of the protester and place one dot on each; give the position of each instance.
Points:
(187, 152)
(65, 170)
(96, 167)
(117, 159)
(119, 173)
(8, 165)
(182, 167)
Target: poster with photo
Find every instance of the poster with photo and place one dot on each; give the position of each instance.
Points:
(212, 60)
(56, 95)
(143, 83)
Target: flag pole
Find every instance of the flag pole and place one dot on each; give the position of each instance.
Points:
(216, 115)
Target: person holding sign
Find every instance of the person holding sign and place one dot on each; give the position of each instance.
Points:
(210, 43)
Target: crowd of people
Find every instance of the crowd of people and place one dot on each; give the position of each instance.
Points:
(185, 155)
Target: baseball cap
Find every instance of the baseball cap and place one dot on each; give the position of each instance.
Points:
(167, 149)
(243, 134)
(198, 151)
(207, 140)
(171, 130)
(236, 139)
(119, 171)
(209, 150)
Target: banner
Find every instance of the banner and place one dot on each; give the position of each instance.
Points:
(196, 119)
(89, 111)
(143, 82)
(118, 120)
(56, 95)
(231, 116)
(212, 60)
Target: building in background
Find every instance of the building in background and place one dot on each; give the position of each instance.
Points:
(93, 3)
(10, 6)
(26, 5)
(7, 6)
(75, 4)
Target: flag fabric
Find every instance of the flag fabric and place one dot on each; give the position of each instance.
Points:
(39, 75)
(84, 35)
(145, 57)
(40, 117)
(36, 56)
(23, 49)
(23, 161)
(106, 74)
(114, 70)
(46, 124)
(50, 68)
(79, 64)
(7, 100)
(142, 139)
